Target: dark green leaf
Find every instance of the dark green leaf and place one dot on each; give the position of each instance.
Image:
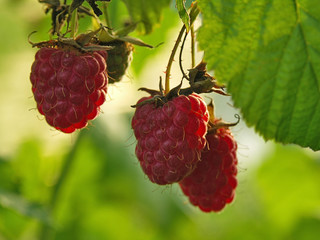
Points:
(24, 207)
(268, 53)
(158, 36)
(183, 13)
(118, 15)
(147, 13)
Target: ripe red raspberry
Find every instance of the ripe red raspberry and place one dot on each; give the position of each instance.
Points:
(212, 184)
(68, 86)
(170, 136)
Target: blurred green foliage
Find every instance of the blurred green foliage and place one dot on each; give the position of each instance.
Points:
(103, 193)
(106, 196)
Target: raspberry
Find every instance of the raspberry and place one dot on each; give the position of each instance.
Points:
(170, 137)
(212, 184)
(68, 86)
(118, 59)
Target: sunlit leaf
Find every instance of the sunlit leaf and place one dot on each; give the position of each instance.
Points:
(268, 53)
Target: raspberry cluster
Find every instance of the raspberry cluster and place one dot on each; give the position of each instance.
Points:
(212, 184)
(176, 142)
(170, 137)
(178, 138)
(69, 86)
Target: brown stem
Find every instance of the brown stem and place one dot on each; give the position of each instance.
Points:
(180, 56)
(74, 23)
(193, 61)
(174, 50)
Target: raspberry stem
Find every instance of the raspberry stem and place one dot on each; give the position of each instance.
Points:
(74, 23)
(194, 12)
(193, 60)
(180, 56)
(174, 50)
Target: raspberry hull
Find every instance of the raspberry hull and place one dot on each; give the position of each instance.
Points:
(68, 86)
(170, 137)
(212, 184)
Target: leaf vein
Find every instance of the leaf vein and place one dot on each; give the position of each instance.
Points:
(268, 107)
(309, 14)
(247, 63)
(313, 112)
(305, 42)
(294, 105)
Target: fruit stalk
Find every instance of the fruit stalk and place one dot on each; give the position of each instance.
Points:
(74, 23)
(180, 56)
(193, 60)
(174, 50)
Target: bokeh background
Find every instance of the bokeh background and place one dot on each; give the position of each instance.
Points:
(89, 186)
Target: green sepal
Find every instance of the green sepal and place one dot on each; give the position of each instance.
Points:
(126, 30)
(134, 41)
(180, 4)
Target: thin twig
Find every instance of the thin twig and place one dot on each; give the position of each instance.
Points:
(74, 23)
(174, 50)
(193, 61)
(180, 57)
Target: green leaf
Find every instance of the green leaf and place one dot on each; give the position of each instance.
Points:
(118, 14)
(194, 12)
(160, 35)
(268, 53)
(183, 13)
(24, 207)
(147, 13)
